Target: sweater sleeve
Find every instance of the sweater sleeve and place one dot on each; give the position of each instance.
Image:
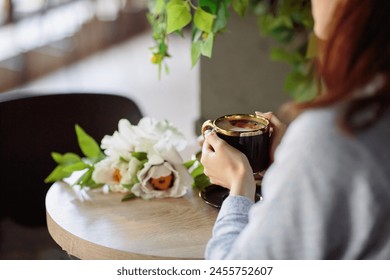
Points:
(286, 224)
(232, 218)
(298, 217)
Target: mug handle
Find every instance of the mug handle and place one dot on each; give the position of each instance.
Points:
(207, 125)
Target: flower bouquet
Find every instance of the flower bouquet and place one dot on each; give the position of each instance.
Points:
(138, 160)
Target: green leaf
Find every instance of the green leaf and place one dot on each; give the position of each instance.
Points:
(283, 34)
(272, 25)
(201, 182)
(284, 21)
(94, 160)
(189, 164)
(75, 167)
(196, 34)
(221, 19)
(122, 159)
(178, 15)
(128, 197)
(127, 186)
(87, 144)
(57, 174)
(209, 5)
(204, 20)
(197, 171)
(70, 158)
(62, 171)
(162, 48)
(65, 159)
(206, 48)
(240, 6)
(86, 178)
(265, 22)
(57, 157)
(93, 185)
(293, 79)
(301, 86)
(159, 7)
(279, 54)
(141, 156)
(261, 8)
(306, 19)
(195, 52)
(134, 181)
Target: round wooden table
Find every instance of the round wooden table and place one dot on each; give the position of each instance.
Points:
(106, 228)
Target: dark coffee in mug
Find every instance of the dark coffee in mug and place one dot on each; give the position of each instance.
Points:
(247, 133)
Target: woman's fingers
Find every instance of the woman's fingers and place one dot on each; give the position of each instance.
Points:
(212, 143)
(207, 150)
(207, 147)
(277, 129)
(208, 153)
(227, 166)
(271, 117)
(213, 139)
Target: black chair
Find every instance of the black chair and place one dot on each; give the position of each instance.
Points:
(31, 127)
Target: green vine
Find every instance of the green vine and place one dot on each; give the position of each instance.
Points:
(289, 22)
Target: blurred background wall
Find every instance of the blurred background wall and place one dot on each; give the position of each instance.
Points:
(240, 77)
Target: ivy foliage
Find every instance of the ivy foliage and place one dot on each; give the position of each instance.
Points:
(289, 22)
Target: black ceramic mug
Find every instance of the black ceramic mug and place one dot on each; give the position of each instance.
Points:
(250, 134)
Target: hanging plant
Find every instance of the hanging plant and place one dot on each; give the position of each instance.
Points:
(289, 22)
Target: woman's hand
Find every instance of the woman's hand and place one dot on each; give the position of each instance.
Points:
(227, 166)
(277, 129)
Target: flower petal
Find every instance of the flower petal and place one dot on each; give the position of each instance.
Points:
(182, 181)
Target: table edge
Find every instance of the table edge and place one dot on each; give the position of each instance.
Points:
(77, 246)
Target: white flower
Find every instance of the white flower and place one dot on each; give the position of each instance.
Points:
(162, 180)
(122, 142)
(159, 133)
(163, 173)
(142, 137)
(116, 173)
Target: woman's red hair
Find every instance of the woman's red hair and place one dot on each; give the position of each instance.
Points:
(356, 53)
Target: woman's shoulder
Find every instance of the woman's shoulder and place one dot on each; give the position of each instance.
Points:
(313, 128)
(321, 120)
(316, 138)
(321, 126)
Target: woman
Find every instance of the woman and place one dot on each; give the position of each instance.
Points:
(327, 192)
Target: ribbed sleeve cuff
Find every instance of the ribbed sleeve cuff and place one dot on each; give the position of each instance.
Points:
(235, 204)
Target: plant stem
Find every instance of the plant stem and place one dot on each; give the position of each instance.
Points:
(192, 5)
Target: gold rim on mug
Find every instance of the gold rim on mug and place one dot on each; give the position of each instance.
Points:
(211, 125)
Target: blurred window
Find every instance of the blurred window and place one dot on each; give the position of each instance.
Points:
(39, 22)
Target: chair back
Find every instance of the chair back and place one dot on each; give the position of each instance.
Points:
(34, 126)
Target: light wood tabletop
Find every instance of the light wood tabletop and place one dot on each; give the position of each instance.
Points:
(106, 228)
